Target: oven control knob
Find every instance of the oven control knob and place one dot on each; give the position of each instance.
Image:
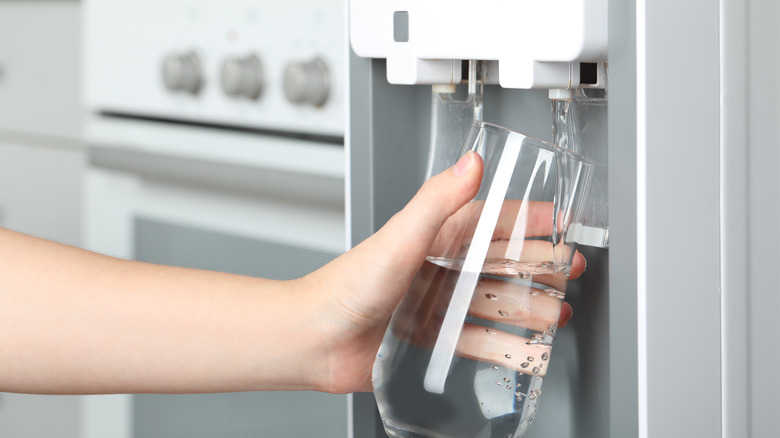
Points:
(182, 72)
(242, 77)
(307, 82)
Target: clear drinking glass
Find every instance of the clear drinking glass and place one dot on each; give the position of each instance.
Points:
(468, 348)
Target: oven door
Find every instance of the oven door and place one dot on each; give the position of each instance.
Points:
(231, 201)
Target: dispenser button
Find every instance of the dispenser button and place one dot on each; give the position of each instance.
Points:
(401, 26)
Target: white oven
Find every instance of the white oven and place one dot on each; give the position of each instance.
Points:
(216, 140)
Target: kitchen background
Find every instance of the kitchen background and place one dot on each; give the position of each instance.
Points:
(210, 135)
(196, 133)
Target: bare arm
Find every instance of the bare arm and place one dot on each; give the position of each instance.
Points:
(76, 322)
(72, 321)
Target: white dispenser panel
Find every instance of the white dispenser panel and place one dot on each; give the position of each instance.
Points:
(537, 44)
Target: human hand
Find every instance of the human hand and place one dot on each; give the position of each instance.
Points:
(366, 284)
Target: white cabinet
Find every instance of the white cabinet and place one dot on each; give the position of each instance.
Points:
(41, 163)
(41, 189)
(40, 67)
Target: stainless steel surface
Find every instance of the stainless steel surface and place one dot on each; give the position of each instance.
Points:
(621, 361)
(750, 62)
(678, 178)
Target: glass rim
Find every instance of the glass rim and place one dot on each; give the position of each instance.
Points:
(542, 143)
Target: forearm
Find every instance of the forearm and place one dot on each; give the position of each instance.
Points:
(72, 321)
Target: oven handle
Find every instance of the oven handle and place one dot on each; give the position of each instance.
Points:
(318, 189)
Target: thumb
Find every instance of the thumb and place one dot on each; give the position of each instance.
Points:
(405, 240)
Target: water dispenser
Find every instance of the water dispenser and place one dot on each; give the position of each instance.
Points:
(476, 59)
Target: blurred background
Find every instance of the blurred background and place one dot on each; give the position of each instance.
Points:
(211, 134)
(196, 133)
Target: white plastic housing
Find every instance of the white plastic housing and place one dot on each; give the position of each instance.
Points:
(537, 43)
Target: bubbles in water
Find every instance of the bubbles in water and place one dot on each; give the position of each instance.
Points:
(524, 364)
(538, 343)
(555, 293)
(503, 313)
(536, 370)
(530, 358)
(506, 379)
(508, 356)
(538, 340)
(545, 355)
(490, 331)
(534, 394)
(490, 296)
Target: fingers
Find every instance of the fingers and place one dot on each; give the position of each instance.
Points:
(505, 349)
(514, 304)
(518, 317)
(566, 314)
(406, 239)
(386, 262)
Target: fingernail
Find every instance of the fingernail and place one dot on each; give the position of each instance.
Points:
(462, 167)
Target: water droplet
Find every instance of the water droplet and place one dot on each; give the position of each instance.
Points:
(503, 313)
(536, 370)
(495, 367)
(523, 274)
(537, 336)
(490, 331)
(530, 358)
(534, 292)
(531, 418)
(534, 394)
(506, 379)
(492, 297)
(545, 355)
(508, 386)
(541, 365)
(519, 394)
(508, 356)
(499, 383)
(524, 364)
